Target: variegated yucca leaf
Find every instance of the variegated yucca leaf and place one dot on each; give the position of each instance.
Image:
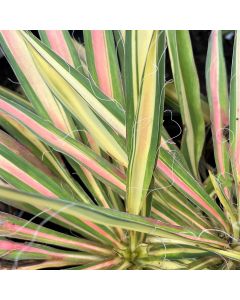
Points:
(40, 150)
(18, 228)
(143, 134)
(188, 91)
(204, 241)
(25, 176)
(63, 143)
(111, 217)
(63, 45)
(37, 91)
(80, 96)
(171, 99)
(218, 102)
(55, 113)
(235, 117)
(12, 250)
(137, 44)
(185, 182)
(92, 176)
(102, 63)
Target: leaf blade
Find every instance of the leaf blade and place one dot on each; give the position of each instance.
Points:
(146, 131)
(187, 86)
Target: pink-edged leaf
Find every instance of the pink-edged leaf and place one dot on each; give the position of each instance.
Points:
(65, 144)
(186, 184)
(218, 102)
(103, 63)
(14, 227)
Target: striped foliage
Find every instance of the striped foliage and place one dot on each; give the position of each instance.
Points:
(234, 117)
(91, 175)
(218, 102)
(143, 138)
(188, 91)
(103, 63)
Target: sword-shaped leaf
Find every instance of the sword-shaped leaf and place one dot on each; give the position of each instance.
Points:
(82, 98)
(18, 251)
(103, 64)
(137, 44)
(36, 90)
(113, 218)
(235, 117)
(18, 228)
(103, 265)
(27, 177)
(59, 141)
(180, 178)
(171, 99)
(144, 136)
(188, 91)
(61, 42)
(216, 78)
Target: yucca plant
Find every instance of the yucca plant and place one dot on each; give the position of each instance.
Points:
(89, 176)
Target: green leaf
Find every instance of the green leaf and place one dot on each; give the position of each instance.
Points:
(188, 91)
(180, 178)
(18, 251)
(112, 218)
(61, 42)
(143, 137)
(36, 90)
(217, 88)
(102, 63)
(18, 228)
(235, 117)
(83, 99)
(82, 154)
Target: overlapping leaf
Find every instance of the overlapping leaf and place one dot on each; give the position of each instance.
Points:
(143, 137)
(218, 103)
(188, 91)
